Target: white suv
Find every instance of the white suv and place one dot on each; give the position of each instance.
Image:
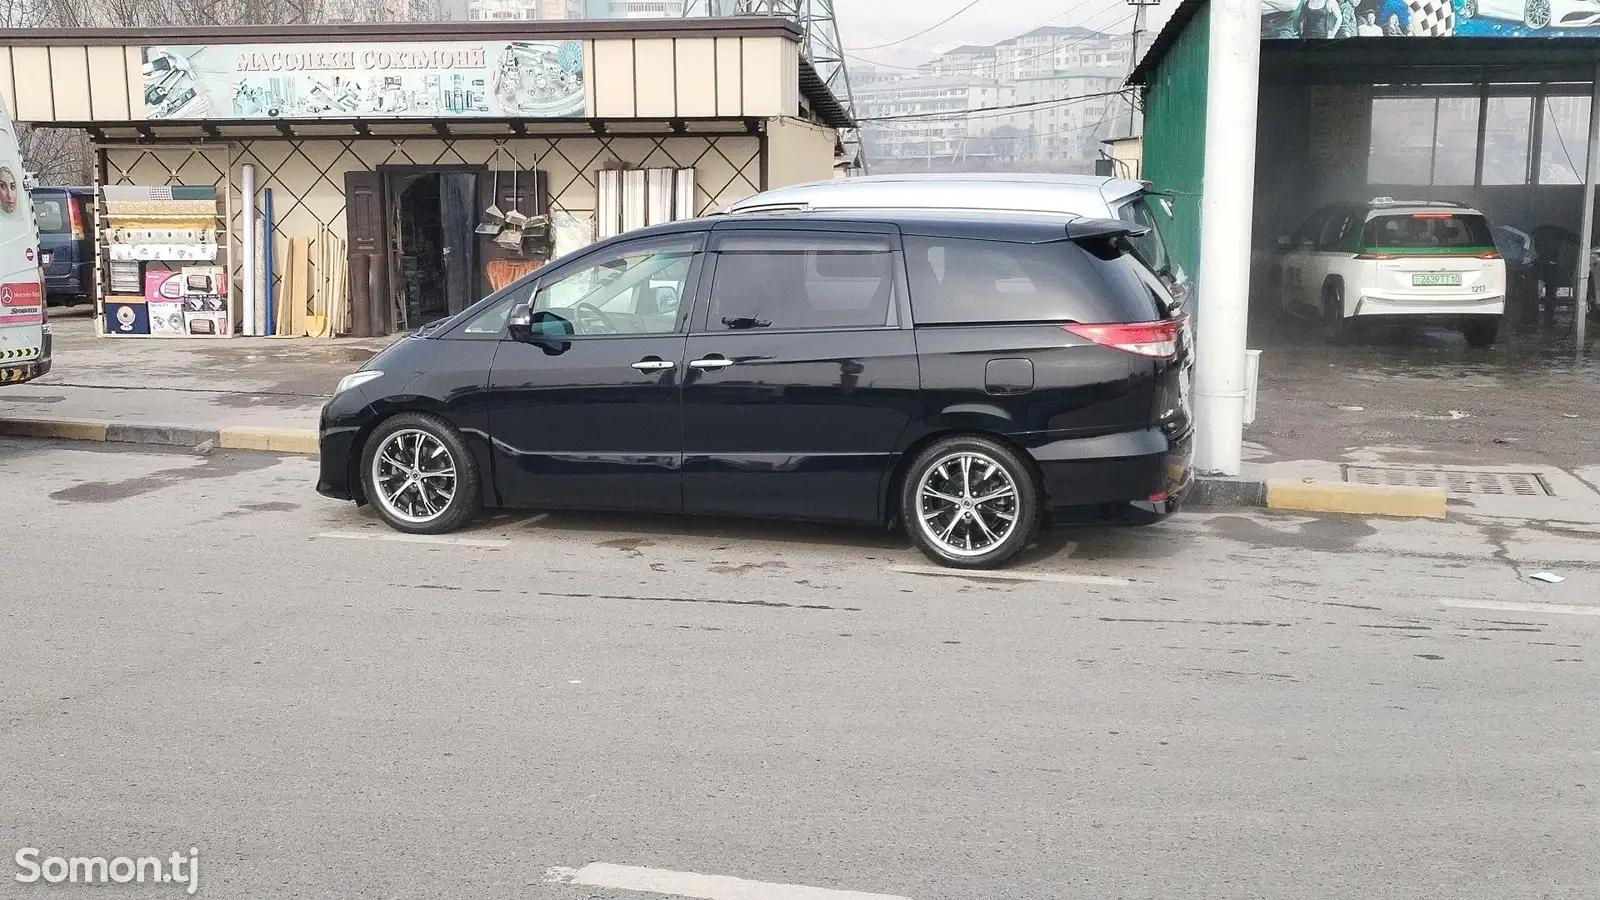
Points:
(1417, 261)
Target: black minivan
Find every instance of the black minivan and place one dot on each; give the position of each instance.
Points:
(964, 375)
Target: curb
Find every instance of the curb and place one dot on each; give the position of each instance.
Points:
(275, 440)
(1310, 495)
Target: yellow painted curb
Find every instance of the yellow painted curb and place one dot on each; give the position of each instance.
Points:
(1356, 499)
(280, 440)
(53, 428)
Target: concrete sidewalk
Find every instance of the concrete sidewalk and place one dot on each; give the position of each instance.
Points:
(138, 388)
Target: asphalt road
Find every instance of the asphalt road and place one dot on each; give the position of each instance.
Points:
(200, 652)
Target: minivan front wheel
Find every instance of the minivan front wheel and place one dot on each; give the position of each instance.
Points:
(419, 475)
(969, 502)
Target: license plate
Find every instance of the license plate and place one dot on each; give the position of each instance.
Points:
(44, 258)
(1436, 279)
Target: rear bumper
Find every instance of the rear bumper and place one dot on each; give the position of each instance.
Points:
(1370, 305)
(25, 370)
(1145, 472)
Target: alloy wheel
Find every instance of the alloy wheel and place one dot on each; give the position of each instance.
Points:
(1538, 13)
(415, 476)
(967, 504)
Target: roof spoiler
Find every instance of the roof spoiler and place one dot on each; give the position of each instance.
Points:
(1093, 229)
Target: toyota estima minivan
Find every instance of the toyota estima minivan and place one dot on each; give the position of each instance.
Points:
(1092, 196)
(965, 376)
(24, 338)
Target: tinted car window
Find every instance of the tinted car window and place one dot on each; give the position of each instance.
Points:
(1454, 231)
(1150, 244)
(961, 281)
(51, 215)
(803, 280)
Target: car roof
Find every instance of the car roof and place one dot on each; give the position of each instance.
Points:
(976, 224)
(1014, 227)
(1073, 194)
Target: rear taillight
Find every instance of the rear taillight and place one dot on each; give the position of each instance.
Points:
(75, 212)
(1372, 256)
(1156, 340)
(1492, 254)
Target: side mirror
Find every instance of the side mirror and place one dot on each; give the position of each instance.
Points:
(519, 323)
(666, 299)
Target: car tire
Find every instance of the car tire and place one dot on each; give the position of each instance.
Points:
(1335, 327)
(410, 444)
(943, 511)
(1481, 331)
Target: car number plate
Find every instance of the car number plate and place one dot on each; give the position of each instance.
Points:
(44, 259)
(1436, 279)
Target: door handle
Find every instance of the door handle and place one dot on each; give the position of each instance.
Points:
(654, 365)
(711, 363)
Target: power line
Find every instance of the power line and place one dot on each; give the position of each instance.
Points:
(925, 30)
(983, 112)
(1080, 23)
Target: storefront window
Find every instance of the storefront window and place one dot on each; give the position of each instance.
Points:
(1505, 140)
(1424, 141)
(1563, 140)
(1402, 137)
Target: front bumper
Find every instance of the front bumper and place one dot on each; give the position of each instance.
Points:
(22, 371)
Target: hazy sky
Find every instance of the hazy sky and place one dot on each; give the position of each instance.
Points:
(866, 23)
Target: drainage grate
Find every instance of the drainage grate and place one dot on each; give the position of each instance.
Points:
(1498, 484)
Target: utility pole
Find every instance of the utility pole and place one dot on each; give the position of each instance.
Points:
(1222, 303)
(1135, 49)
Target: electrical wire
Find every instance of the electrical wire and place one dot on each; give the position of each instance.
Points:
(1101, 32)
(925, 30)
(984, 112)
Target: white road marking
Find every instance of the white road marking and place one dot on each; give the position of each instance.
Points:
(696, 885)
(534, 520)
(1053, 577)
(1553, 608)
(399, 538)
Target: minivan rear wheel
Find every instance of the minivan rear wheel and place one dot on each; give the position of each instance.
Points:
(969, 502)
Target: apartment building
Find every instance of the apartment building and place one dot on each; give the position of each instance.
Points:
(1068, 120)
(1051, 48)
(930, 118)
(969, 61)
(525, 10)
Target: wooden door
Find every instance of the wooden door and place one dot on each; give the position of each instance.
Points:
(367, 232)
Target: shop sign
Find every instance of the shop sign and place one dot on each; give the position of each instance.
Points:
(445, 80)
(1341, 19)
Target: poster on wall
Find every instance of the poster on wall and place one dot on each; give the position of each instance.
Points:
(1340, 19)
(447, 80)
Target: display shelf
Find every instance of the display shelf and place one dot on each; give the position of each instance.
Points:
(201, 315)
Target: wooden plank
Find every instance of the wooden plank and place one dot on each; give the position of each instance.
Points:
(300, 290)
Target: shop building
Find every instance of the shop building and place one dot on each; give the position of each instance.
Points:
(389, 174)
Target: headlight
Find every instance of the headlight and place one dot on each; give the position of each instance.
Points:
(356, 379)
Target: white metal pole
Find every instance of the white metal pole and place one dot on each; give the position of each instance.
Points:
(1580, 321)
(247, 242)
(1222, 301)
